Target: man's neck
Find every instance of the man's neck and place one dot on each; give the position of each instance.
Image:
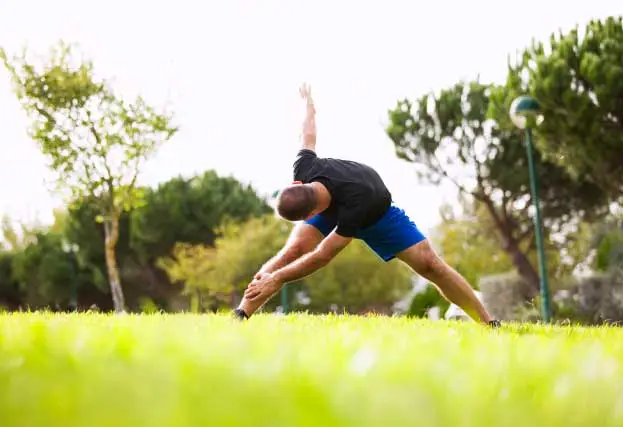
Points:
(322, 195)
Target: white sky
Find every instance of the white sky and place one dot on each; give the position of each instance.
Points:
(231, 70)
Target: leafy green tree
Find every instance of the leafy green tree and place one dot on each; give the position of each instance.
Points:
(577, 78)
(470, 244)
(193, 266)
(450, 136)
(43, 271)
(11, 295)
(89, 236)
(15, 237)
(95, 141)
(607, 241)
(190, 211)
(181, 210)
(425, 300)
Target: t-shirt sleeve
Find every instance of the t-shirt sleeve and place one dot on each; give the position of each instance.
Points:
(351, 216)
(305, 161)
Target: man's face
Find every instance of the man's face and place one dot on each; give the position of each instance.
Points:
(312, 213)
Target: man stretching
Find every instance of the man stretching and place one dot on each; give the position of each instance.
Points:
(338, 201)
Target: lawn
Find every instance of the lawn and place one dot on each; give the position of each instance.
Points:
(191, 370)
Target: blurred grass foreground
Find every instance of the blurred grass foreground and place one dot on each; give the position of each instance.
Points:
(299, 370)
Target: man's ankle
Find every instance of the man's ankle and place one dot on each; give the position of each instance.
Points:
(241, 314)
(494, 323)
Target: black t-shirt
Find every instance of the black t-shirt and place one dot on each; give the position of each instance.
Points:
(359, 197)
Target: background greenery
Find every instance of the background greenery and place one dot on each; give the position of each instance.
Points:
(194, 242)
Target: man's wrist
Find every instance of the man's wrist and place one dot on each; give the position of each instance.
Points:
(278, 278)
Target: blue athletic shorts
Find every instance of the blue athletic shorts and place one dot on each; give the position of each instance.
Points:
(391, 234)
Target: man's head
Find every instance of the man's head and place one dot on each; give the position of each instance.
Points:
(297, 202)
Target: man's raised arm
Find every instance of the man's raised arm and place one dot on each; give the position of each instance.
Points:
(309, 124)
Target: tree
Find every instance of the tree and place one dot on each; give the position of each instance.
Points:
(89, 236)
(43, 271)
(180, 210)
(425, 300)
(607, 241)
(193, 265)
(451, 137)
(577, 78)
(11, 295)
(469, 243)
(12, 238)
(190, 211)
(95, 141)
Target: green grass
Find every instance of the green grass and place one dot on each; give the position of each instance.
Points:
(187, 370)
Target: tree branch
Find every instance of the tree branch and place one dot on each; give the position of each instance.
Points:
(108, 178)
(134, 178)
(89, 182)
(528, 233)
(44, 113)
(461, 188)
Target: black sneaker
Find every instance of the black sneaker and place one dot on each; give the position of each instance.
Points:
(495, 323)
(240, 314)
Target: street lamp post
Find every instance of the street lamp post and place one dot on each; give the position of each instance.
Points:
(524, 113)
(284, 299)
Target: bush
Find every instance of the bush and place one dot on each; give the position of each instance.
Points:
(597, 299)
(594, 300)
(504, 294)
(425, 300)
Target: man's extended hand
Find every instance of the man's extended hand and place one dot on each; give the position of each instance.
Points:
(309, 124)
(305, 92)
(263, 287)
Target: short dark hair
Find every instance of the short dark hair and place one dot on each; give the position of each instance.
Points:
(296, 202)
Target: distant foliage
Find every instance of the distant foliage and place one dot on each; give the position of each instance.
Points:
(425, 300)
(594, 300)
(577, 78)
(219, 274)
(94, 141)
(461, 135)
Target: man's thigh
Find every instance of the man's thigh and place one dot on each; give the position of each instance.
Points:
(393, 234)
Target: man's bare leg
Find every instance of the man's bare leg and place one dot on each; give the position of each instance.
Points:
(424, 261)
(303, 239)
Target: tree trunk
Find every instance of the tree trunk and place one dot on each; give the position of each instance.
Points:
(510, 245)
(522, 264)
(111, 228)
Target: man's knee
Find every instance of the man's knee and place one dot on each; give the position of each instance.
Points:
(423, 259)
(431, 263)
